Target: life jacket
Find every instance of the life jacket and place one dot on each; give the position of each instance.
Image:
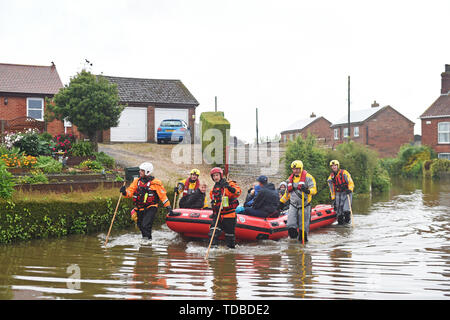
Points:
(233, 202)
(144, 196)
(186, 186)
(339, 182)
(290, 187)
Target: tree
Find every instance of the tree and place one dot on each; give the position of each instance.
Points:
(89, 102)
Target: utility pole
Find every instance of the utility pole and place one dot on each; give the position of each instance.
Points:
(215, 103)
(257, 136)
(348, 137)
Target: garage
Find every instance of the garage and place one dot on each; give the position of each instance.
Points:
(166, 113)
(132, 126)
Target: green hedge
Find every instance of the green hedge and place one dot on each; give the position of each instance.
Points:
(32, 219)
(214, 120)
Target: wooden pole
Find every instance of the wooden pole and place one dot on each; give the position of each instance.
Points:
(215, 226)
(114, 216)
(351, 211)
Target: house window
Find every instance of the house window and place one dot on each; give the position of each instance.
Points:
(444, 132)
(356, 131)
(444, 156)
(345, 132)
(35, 108)
(336, 134)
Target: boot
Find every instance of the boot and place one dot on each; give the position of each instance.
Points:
(230, 240)
(215, 241)
(292, 233)
(347, 217)
(340, 219)
(300, 237)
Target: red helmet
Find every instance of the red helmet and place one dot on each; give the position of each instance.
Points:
(216, 170)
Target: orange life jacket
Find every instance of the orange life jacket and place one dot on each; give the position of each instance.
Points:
(233, 202)
(339, 181)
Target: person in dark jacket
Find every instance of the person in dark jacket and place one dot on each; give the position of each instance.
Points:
(266, 201)
(196, 199)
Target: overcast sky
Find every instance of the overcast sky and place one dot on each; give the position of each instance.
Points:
(288, 58)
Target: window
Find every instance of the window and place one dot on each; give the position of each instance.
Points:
(345, 132)
(444, 156)
(35, 108)
(336, 134)
(444, 132)
(356, 131)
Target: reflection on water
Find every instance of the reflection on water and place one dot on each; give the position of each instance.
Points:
(399, 249)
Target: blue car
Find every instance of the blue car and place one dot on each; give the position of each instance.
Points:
(174, 130)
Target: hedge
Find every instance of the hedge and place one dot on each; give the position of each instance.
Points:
(214, 120)
(34, 219)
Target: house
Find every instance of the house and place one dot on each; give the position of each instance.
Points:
(149, 101)
(383, 129)
(23, 89)
(436, 120)
(318, 126)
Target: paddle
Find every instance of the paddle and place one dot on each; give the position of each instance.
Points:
(114, 216)
(303, 217)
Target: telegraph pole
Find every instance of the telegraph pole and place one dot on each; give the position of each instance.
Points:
(215, 103)
(348, 137)
(257, 136)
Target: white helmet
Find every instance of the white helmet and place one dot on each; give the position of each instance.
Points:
(147, 167)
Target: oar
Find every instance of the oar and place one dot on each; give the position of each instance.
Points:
(351, 211)
(303, 217)
(215, 227)
(114, 216)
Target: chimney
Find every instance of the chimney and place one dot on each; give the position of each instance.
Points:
(445, 82)
(375, 104)
(313, 115)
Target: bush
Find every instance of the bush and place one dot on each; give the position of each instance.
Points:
(410, 160)
(64, 142)
(438, 167)
(359, 161)
(6, 182)
(48, 164)
(35, 177)
(381, 181)
(32, 143)
(82, 149)
(93, 165)
(105, 160)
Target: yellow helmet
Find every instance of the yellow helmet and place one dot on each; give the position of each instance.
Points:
(334, 162)
(195, 171)
(297, 164)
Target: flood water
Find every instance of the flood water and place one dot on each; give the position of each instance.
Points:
(398, 249)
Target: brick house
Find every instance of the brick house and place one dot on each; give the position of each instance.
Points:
(436, 120)
(23, 89)
(383, 129)
(149, 101)
(318, 126)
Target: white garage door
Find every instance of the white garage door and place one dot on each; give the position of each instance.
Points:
(132, 126)
(163, 113)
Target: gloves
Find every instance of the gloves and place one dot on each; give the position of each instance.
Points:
(224, 184)
(123, 190)
(175, 189)
(169, 210)
(134, 216)
(305, 189)
(348, 191)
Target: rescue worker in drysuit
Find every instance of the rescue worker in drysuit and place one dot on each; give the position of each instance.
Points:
(300, 182)
(230, 192)
(146, 192)
(341, 190)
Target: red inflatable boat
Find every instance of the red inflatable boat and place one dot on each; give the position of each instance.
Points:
(195, 223)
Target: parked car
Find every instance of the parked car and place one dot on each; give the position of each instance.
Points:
(174, 130)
